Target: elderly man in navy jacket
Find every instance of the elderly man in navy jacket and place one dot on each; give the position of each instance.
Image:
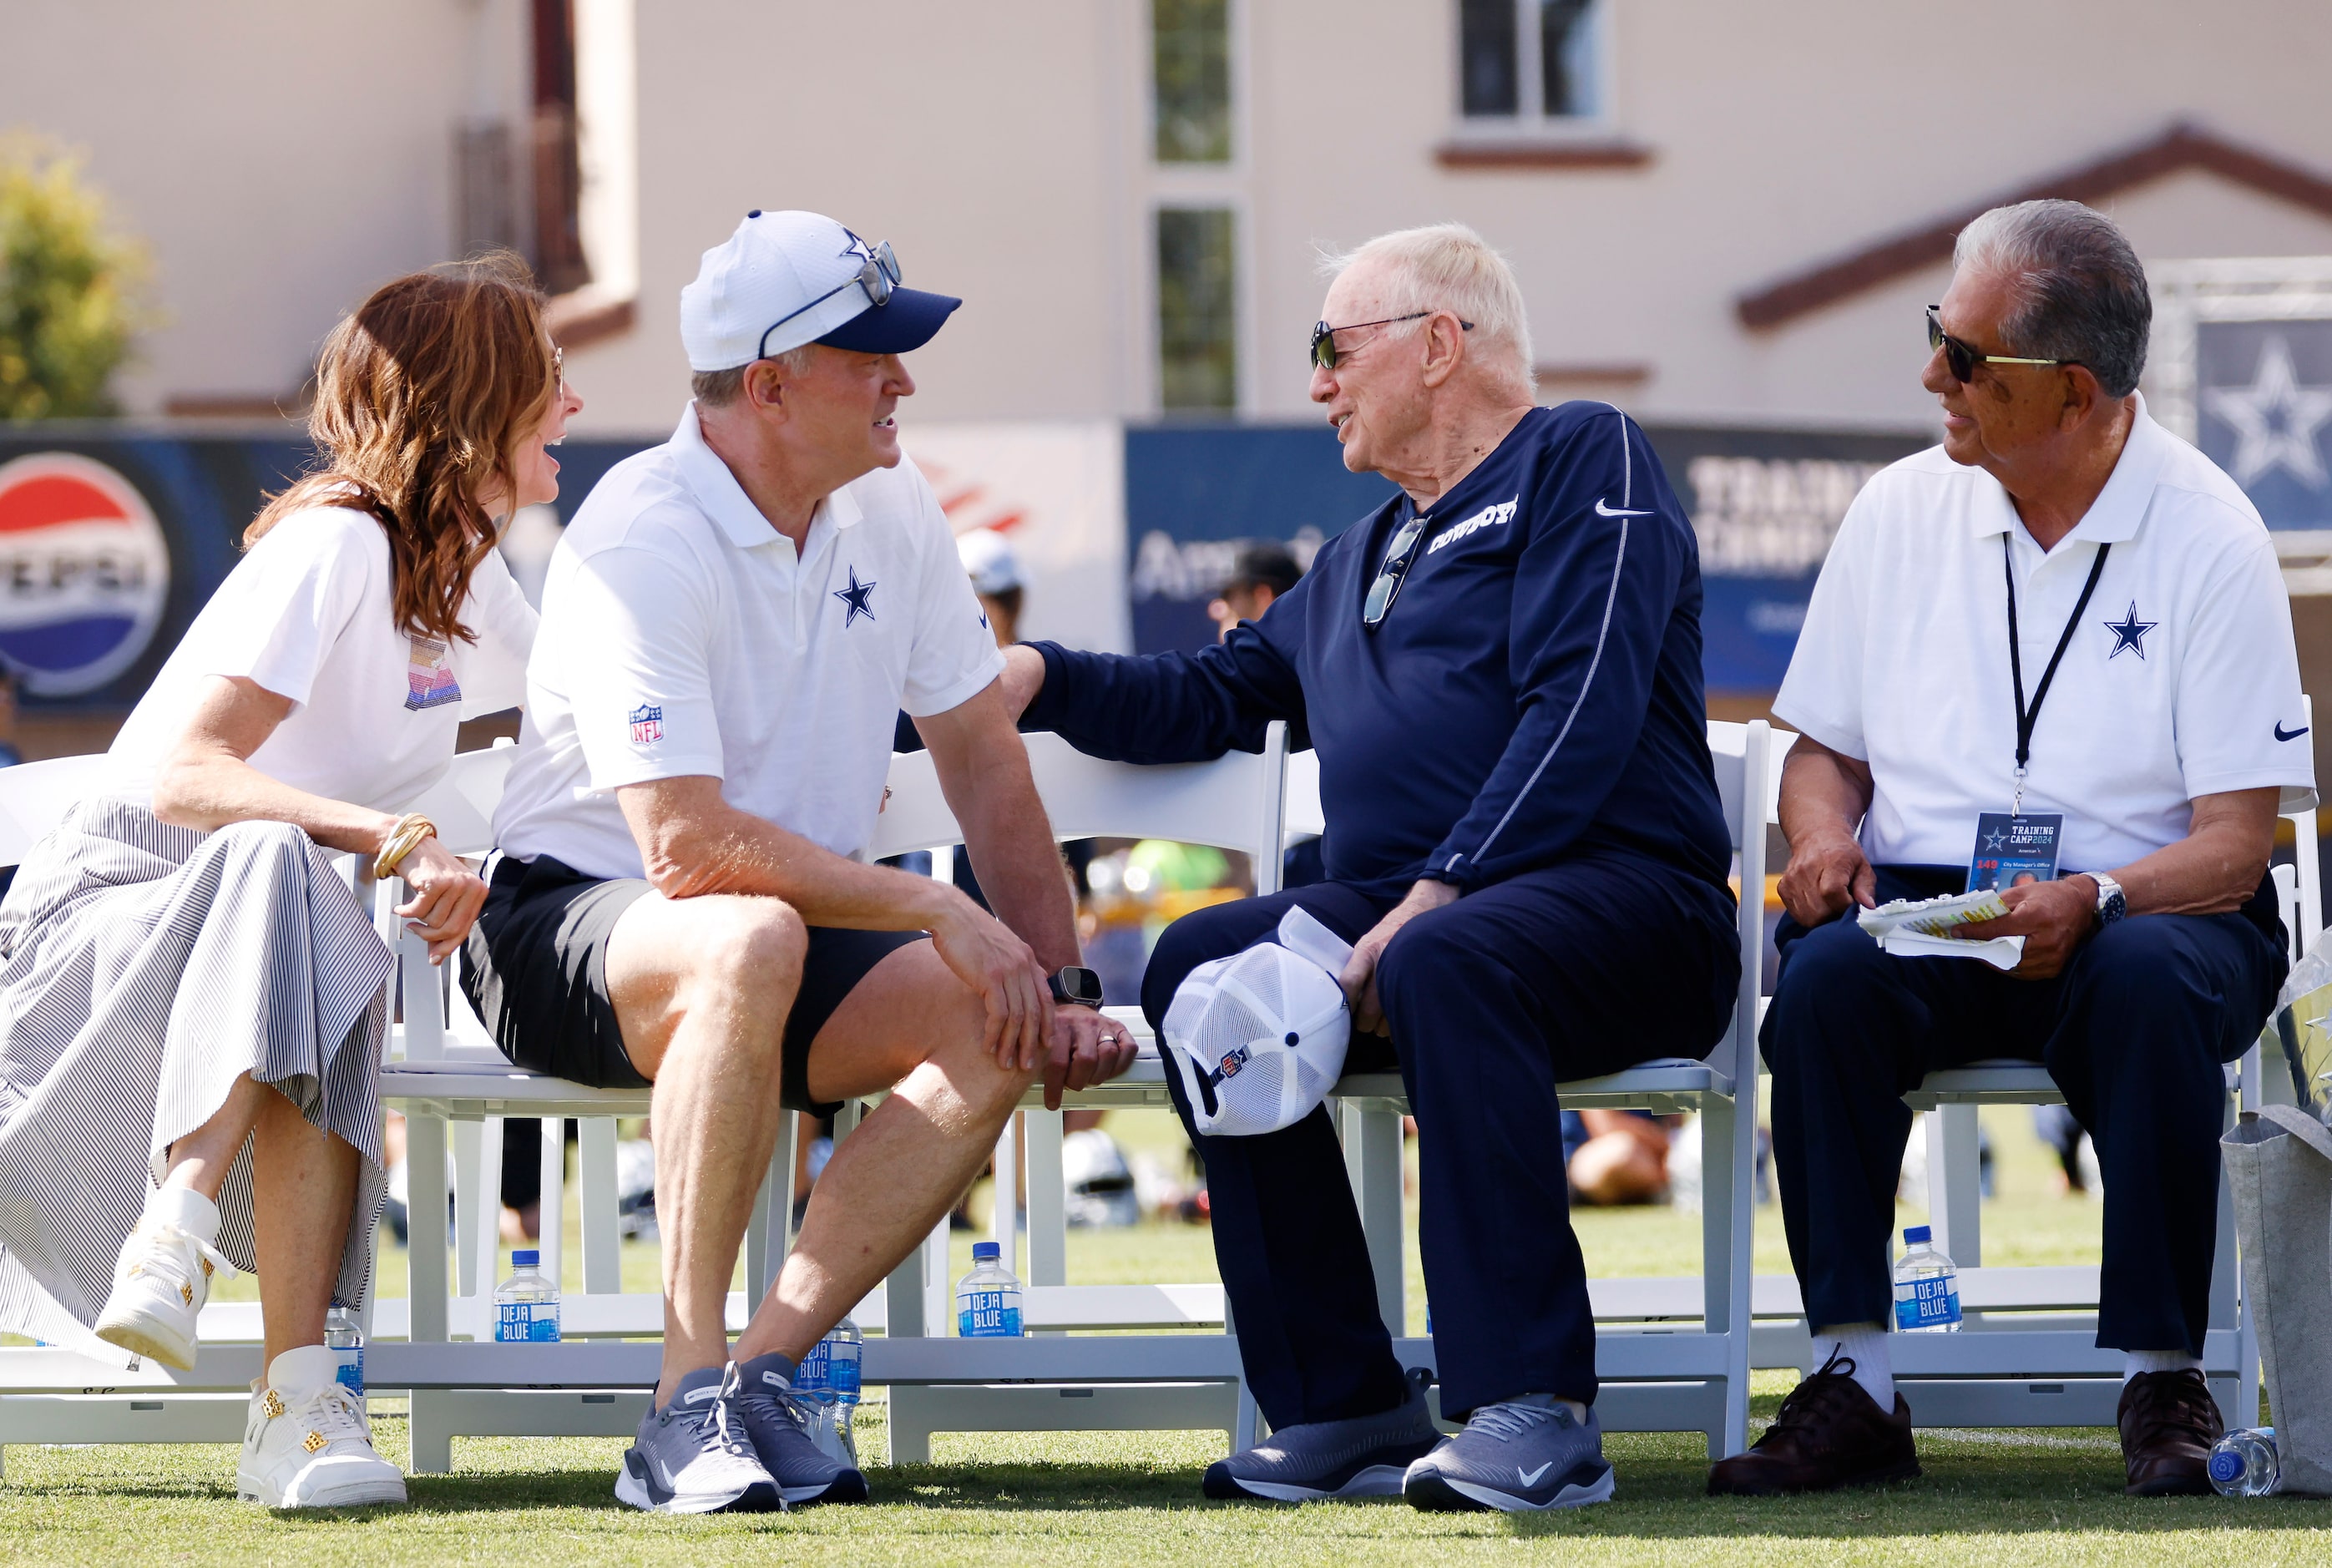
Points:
(1500, 671)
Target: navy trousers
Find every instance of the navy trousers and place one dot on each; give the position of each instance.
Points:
(1585, 968)
(2134, 1031)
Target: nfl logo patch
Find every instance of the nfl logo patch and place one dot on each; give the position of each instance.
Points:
(648, 724)
(1232, 1063)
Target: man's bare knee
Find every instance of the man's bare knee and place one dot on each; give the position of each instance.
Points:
(752, 950)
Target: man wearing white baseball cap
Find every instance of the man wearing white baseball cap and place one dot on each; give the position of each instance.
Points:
(730, 624)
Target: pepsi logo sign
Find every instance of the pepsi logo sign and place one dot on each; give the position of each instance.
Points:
(84, 573)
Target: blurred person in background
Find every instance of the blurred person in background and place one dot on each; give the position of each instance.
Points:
(2059, 546)
(1615, 1157)
(1260, 575)
(994, 567)
(182, 952)
(729, 624)
(1500, 670)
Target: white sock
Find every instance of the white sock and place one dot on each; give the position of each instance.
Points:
(1864, 1344)
(310, 1366)
(2134, 1361)
(188, 1209)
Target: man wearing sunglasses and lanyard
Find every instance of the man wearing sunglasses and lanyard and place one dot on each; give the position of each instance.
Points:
(2054, 656)
(1500, 671)
(730, 625)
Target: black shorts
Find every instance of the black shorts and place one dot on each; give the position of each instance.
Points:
(535, 967)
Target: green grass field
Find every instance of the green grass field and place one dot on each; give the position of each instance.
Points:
(2025, 1498)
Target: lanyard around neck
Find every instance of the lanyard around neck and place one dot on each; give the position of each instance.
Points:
(2026, 717)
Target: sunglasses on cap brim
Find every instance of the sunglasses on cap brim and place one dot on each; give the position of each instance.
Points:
(878, 276)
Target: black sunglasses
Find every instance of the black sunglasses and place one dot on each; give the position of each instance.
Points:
(1323, 335)
(1399, 557)
(1961, 359)
(878, 277)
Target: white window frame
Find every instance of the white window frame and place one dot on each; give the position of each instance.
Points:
(1227, 185)
(1530, 122)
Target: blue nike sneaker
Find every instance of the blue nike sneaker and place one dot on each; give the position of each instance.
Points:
(1518, 1456)
(1363, 1457)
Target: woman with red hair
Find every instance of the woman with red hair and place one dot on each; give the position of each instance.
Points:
(193, 999)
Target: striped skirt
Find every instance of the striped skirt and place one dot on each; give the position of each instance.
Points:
(144, 969)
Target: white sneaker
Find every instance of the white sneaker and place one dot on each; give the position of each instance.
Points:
(306, 1444)
(159, 1284)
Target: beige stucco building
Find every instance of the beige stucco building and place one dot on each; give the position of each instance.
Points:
(280, 157)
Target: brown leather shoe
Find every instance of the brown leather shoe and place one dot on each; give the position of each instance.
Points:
(2168, 1422)
(1830, 1433)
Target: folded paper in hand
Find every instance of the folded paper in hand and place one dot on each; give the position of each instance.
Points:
(1920, 928)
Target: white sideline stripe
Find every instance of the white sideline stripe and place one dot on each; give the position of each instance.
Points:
(1602, 633)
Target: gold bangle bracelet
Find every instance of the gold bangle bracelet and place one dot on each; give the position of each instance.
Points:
(403, 840)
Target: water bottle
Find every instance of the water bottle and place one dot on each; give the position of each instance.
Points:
(526, 1307)
(2243, 1464)
(1927, 1287)
(346, 1341)
(988, 1299)
(826, 1385)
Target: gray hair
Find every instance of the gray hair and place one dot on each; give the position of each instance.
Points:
(1449, 267)
(719, 388)
(2080, 294)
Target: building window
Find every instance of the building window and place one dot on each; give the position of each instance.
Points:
(1191, 77)
(1531, 60)
(1198, 354)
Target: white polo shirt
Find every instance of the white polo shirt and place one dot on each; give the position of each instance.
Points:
(2180, 681)
(681, 635)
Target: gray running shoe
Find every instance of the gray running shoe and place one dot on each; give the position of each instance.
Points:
(1365, 1457)
(693, 1457)
(774, 1419)
(1519, 1456)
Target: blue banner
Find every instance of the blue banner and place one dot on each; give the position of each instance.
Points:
(1765, 502)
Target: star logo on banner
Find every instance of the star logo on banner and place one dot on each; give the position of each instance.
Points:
(2129, 633)
(855, 597)
(2276, 419)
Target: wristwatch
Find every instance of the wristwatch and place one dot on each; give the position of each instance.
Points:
(2111, 904)
(1075, 986)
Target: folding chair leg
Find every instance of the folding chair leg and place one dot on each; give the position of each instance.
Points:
(1718, 1264)
(910, 1308)
(1956, 1183)
(595, 1168)
(772, 1220)
(427, 1283)
(1048, 1220)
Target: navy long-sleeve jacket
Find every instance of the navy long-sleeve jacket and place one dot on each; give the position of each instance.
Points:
(1535, 691)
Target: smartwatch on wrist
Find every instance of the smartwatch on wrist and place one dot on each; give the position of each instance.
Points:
(2111, 904)
(1075, 987)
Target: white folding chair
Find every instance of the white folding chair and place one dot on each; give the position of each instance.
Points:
(1657, 1374)
(2029, 1356)
(1231, 803)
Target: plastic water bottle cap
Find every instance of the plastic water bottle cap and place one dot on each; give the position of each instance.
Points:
(525, 1258)
(985, 1251)
(1917, 1234)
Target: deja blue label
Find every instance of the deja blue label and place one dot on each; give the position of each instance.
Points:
(831, 1367)
(1930, 1302)
(527, 1321)
(984, 1315)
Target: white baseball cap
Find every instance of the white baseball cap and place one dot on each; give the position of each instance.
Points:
(1258, 1039)
(786, 279)
(988, 560)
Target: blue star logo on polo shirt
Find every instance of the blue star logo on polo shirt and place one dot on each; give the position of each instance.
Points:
(2129, 633)
(855, 597)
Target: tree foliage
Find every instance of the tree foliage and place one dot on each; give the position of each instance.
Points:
(69, 287)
